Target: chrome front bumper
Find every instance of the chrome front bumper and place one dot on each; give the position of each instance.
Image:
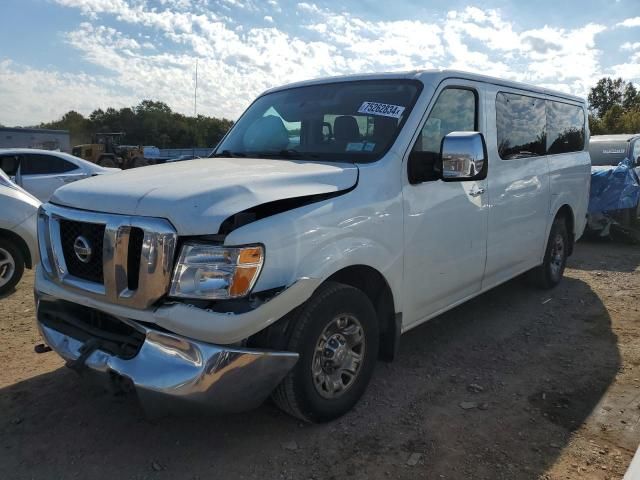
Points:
(173, 374)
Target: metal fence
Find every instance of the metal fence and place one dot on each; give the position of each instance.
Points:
(176, 152)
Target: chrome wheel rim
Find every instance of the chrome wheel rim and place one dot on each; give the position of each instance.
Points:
(7, 267)
(557, 256)
(338, 356)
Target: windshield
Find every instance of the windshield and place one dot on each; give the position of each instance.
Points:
(355, 121)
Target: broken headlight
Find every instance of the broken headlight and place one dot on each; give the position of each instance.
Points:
(215, 272)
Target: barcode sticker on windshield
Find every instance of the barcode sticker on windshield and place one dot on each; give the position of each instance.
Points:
(384, 109)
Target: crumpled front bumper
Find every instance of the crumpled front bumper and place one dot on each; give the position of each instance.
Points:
(174, 374)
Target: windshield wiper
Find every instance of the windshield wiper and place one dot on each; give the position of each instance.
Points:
(287, 153)
(227, 154)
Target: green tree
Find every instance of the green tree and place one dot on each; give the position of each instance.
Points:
(607, 93)
(630, 97)
(631, 121)
(614, 106)
(148, 123)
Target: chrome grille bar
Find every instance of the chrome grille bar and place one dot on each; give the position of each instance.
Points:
(156, 260)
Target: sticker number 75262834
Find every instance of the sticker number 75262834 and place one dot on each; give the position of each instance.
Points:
(383, 109)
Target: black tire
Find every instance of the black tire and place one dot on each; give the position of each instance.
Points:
(298, 393)
(108, 162)
(550, 273)
(10, 273)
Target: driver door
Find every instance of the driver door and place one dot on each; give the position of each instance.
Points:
(445, 222)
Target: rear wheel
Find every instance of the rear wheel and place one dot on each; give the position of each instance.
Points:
(549, 274)
(11, 266)
(336, 335)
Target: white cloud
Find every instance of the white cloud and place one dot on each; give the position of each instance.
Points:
(630, 46)
(239, 60)
(630, 22)
(30, 95)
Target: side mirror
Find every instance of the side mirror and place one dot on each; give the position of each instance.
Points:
(464, 156)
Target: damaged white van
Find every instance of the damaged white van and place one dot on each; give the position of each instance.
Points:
(334, 216)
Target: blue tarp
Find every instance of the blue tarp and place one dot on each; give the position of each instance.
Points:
(613, 188)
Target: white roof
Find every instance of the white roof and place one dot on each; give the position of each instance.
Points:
(433, 77)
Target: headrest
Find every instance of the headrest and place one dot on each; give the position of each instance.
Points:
(345, 129)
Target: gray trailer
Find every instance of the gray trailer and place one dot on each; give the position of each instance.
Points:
(35, 138)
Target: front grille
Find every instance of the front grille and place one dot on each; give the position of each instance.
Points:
(92, 270)
(83, 323)
(131, 257)
(136, 237)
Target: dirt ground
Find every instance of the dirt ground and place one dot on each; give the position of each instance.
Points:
(517, 383)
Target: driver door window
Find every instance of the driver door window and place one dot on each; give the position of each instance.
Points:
(455, 110)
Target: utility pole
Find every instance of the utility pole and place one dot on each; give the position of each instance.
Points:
(195, 110)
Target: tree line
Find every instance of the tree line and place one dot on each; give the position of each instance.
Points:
(614, 106)
(148, 123)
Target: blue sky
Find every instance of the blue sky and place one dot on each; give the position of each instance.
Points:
(59, 55)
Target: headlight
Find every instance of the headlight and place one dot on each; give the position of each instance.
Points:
(215, 272)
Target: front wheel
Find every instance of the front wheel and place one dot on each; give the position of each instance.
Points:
(11, 266)
(107, 162)
(336, 335)
(549, 274)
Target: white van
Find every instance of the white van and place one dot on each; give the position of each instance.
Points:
(334, 216)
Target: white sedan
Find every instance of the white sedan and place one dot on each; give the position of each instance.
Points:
(18, 240)
(41, 172)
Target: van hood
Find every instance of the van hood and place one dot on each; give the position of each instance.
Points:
(196, 196)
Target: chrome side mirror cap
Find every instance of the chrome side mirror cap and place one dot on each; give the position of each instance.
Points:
(464, 156)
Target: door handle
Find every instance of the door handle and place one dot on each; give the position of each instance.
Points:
(477, 192)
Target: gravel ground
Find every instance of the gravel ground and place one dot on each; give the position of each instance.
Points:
(517, 383)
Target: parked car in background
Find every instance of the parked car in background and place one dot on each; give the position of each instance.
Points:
(336, 215)
(18, 240)
(613, 149)
(615, 181)
(41, 172)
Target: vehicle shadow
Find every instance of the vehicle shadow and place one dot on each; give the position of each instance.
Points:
(606, 255)
(491, 389)
(7, 294)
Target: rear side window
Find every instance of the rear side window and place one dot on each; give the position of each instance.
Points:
(521, 124)
(565, 128)
(9, 164)
(45, 165)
